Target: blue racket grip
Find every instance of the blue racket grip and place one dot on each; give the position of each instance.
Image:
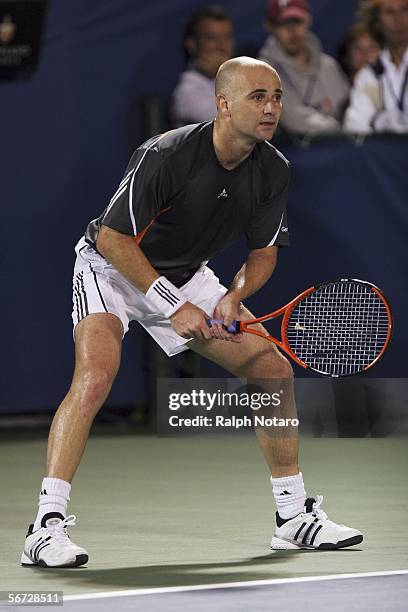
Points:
(233, 327)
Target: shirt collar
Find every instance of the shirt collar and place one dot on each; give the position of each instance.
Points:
(386, 57)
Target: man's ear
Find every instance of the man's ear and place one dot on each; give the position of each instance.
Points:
(190, 44)
(268, 26)
(309, 21)
(223, 105)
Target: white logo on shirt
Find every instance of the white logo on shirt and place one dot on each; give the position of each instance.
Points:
(284, 229)
(223, 194)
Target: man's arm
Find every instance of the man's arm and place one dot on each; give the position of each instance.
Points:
(121, 250)
(255, 272)
(364, 103)
(302, 119)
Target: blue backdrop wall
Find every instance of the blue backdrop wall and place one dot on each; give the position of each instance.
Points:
(65, 142)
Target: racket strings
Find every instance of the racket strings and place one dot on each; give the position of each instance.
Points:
(339, 329)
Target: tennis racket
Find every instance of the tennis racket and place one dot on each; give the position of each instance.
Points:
(336, 329)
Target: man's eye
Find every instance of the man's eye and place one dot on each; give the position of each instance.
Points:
(259, 97)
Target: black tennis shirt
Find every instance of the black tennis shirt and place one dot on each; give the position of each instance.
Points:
(184, 208)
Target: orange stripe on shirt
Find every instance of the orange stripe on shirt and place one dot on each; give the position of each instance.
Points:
(139, 237)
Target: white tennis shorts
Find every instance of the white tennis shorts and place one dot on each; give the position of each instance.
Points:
(99, 287)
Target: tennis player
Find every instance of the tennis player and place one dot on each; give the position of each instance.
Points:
(184, 197)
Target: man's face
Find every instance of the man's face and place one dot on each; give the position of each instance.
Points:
(255, 105)
(213, 37)
(393, 18)
(292, 34)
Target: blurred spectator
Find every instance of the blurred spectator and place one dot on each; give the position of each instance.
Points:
(358, 49)
(208, 42)
(378, 99)
(315, 88)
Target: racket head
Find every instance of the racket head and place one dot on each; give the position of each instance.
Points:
(338, 328)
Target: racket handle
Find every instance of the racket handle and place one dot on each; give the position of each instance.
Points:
(233, 327)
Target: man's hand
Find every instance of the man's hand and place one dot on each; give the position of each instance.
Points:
(227, 309)
(189, 321)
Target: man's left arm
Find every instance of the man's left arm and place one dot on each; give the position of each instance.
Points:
(255, 272)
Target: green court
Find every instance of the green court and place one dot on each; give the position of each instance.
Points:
(166, 512)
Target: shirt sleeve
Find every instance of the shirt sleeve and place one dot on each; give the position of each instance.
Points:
(269, 226)
(364, 103)
(140, 196)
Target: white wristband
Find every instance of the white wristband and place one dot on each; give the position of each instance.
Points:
(165, 296)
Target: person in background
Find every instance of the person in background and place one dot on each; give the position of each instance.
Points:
(378, 101)
(209, 42)
(316, 90)
(358, 49)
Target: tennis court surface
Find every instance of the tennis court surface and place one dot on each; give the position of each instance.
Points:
(186, 522)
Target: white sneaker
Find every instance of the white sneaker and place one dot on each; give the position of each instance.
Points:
(50, 545)
(312, 529)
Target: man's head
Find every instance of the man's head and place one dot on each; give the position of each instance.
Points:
(289, 21)
(249, 98)
(387, 20)
(209, 38)
(358, 49)
(393, 21)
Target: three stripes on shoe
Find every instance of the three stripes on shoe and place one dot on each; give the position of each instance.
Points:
(308, 533)
(38, 546)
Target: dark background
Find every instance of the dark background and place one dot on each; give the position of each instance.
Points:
(66, 135)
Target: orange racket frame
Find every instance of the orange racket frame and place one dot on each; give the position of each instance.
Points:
(244, 326)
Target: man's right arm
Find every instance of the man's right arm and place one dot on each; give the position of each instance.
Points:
(126, 256)
(364, 103)
(122, 251)
(300, 118)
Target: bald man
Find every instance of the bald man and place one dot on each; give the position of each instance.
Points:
(184, 197)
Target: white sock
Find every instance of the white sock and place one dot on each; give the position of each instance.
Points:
(53, 497)
(290, 495)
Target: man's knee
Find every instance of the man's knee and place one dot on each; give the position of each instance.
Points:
(282, 368)
(93, 385)
(270, 363)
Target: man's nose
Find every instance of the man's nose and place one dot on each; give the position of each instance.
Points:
(268, 108)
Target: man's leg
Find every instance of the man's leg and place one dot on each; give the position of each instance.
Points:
(255, 359)
(299, 521)
(97, 357)
(98, 340)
